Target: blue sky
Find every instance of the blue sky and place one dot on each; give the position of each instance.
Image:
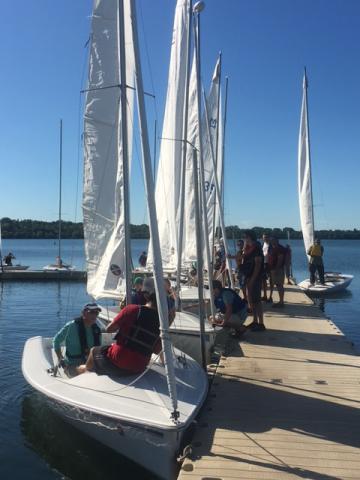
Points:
(265, 46)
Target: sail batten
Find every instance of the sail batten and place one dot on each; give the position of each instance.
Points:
(304, 174)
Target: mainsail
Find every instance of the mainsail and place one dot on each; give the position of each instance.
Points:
(103, 196)
(214, 114)
(167, 193)
(304, 174)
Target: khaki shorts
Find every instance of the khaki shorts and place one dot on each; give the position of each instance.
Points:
(278, 276)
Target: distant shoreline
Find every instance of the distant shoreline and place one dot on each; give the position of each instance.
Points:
(37, 229)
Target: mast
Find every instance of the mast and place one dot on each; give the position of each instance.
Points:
(125, 152)
(223, 141)
(218, 195)
(60, 190)
(200, 197)
(149, 186)
(183, 160)
(155, 134)
(309, 151)
(216, 155)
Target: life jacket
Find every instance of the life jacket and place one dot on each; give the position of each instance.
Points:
(237, 303)
(82, 338)
(315, 251)
(143, 334)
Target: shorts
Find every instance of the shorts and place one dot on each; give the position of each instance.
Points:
(278, 276)
(104, 366)
(237, 319)
(254, 293)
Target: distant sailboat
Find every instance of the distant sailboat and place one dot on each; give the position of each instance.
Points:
(59, 266)
(334, 281)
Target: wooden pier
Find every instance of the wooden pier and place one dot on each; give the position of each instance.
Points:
(41, 275)
(284, 403)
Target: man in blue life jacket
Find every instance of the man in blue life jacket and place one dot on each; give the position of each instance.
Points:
(233, 309)
(78, 336)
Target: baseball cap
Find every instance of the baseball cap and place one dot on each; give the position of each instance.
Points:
(138, 280)
(148, 285)
(91, 307)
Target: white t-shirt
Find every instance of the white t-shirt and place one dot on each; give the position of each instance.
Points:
(266, 252)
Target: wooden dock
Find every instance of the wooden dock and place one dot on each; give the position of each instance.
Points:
(284, 403)
(41, 275)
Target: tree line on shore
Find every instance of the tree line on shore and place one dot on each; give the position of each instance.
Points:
(39, 229)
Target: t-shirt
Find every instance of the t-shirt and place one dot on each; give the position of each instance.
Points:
(69, 336)
(120, 355)
(137, 298)
(250, 254)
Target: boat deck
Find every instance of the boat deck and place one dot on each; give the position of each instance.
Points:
(41, 275)
(284, 403)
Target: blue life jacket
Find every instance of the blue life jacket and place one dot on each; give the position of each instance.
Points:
(237, 303)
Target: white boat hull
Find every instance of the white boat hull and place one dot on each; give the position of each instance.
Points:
(185, 332)
(131, 415)
(334, 282)
(57, 268)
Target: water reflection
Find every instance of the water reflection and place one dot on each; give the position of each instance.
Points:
(66, 449)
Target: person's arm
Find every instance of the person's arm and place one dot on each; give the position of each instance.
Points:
(257, 267)
(59, 340)
(120, 318)
(309, 251)
(280, 260)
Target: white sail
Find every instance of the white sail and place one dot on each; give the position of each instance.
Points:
(213, 104)
(103, 205)
(167, 193)
(189, 241)
(304, 174)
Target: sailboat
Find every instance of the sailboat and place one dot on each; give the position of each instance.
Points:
(142, 417)
(334, 281)
(59, 266)
(7, 268)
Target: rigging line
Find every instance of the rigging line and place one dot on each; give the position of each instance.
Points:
(148, 61)
(116, 85)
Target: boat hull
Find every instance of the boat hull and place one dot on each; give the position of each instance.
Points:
(154, 449)
(334, 282)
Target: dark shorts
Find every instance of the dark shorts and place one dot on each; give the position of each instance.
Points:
(104, 366)
(254, 293)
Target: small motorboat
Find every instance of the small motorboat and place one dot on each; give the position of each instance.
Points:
(11, 268)
(334, 282)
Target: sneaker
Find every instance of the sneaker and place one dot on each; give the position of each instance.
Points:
(259, 327)
(278, 305)
(251, 325)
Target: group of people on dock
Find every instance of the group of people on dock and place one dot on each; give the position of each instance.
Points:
(260, 267)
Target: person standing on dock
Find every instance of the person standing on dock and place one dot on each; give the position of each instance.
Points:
(316, 262)
(143, 259)
(277, 269)
(8, 259)
(78, 336)
(253, 270)
(266, 276)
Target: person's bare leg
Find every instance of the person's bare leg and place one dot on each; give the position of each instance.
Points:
(259, 313)
(281, 293)
(264, 285)
(89, 365)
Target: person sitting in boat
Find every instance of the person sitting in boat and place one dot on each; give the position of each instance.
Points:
(137, 338)
(78, 336)
(137, 295)
(171, 299)
(59, 262)
(316, 264)
(232, 308)
(143, 259)
(8, 259)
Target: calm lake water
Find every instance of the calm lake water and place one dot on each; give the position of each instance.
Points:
(36, 444)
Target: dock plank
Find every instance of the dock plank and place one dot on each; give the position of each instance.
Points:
(284, 403)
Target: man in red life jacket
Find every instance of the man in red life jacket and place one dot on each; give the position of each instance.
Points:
(137, 338)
